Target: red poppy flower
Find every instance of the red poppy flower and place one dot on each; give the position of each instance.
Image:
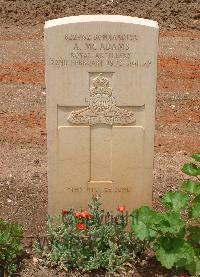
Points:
(121, 208)
(85, 214)
(63, 212)
(78, 214)
(80, 226)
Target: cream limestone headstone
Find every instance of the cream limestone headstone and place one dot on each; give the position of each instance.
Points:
(101, 88)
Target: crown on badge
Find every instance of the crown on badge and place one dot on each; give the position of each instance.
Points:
(100, 85)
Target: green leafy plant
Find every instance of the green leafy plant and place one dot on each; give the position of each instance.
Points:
(88, 240)
(10, 245)
(174, 235)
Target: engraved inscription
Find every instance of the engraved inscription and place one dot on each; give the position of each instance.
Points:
(99, 190)
(101, 107)
(101, 37)
(100, 60)
(99, 50)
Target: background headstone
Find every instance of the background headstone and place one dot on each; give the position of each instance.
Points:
(101, 87)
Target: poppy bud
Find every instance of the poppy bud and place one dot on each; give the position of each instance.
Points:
(63, 212)
(121, 208)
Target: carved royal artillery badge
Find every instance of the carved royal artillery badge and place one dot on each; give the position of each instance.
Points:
(101, 106)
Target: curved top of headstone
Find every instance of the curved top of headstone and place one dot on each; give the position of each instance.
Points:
(101, 18)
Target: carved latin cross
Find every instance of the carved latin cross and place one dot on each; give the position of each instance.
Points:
(101, 114)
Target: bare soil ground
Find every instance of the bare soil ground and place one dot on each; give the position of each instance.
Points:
(23, 178)
(171, 14)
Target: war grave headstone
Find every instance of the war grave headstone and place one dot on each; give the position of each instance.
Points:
(101, 87)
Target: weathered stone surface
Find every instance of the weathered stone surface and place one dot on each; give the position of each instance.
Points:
(101, 87)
